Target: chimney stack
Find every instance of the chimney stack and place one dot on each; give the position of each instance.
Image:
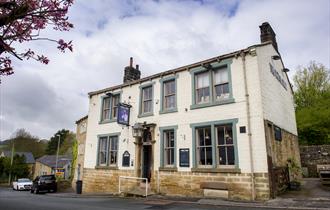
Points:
(131, 73)
(268, 34)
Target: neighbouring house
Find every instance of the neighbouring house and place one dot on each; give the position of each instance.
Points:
(81, 139)
(46, 165)
(29, 159)
(221, 127)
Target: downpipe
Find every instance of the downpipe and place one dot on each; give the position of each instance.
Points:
(248, 115)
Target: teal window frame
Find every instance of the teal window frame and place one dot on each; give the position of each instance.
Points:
(213, 125)
(111, 119)
(162, 154)
(162, 95)
(108, 149)
(141, 87)
(212, 102)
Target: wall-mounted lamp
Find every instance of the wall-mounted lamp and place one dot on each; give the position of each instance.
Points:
(286, 70)
(276, 57)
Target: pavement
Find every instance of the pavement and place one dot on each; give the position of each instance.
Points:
(313, 195)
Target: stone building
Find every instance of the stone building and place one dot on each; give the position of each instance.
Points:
(46, 165)
(221, 127)
(81, 138)
(29, 159)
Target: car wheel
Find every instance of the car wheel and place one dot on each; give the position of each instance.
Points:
(55, 190)
(31, 191)
(17, 188)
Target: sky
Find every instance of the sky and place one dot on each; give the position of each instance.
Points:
(159, 35)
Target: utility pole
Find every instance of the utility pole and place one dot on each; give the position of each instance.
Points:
(58, 147)
(11, 161)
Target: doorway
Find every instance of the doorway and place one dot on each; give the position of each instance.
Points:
(146, 163)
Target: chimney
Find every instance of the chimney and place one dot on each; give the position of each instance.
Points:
(131, 73)
(268, 34)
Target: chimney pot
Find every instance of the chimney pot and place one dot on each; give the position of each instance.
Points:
(137, 67)
(131, 62)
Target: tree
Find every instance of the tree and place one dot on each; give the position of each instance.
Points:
(19, 169)
(23, 20)
(311, 83)
(25, 142)
(53, 142)
(312, 97)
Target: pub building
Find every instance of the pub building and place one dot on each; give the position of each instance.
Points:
(222, 127)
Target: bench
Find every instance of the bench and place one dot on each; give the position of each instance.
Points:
(214, 189)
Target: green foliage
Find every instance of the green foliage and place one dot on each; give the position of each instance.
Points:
(52, 144)
(74, 158)
(25, 142)
(312, 97)
(19, 169)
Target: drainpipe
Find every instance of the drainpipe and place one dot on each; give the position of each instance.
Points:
(248, 115)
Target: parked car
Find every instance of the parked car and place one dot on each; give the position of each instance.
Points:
(44, 183)
(22, 184)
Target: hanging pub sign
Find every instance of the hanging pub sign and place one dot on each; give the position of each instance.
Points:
(184, 157)
(126, 159)
(123, 114)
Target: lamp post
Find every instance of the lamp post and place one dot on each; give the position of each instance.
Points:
(58, 147)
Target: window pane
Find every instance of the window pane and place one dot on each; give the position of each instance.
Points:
(103, 150)
(106, 108)
(169, 87)
(209, 155)
(106, 103)
(203, 95)
(222, 156)
(231, 155)
(147, 106)
(114, 143)
(113, 157)
(202, 156)
(202, 80)
(229, 134)
(200, 133)
(208, 140)
(221, 76)
(221, 135)
(147, 93)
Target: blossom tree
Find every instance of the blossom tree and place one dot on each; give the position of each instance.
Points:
(22, 20)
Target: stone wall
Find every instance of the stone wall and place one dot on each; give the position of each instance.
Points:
(186, 184)
(311, 156)
(103, 180)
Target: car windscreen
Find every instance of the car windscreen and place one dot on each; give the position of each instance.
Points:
(47, 177)
(24, 180)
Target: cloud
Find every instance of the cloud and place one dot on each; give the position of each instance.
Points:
(160, 35)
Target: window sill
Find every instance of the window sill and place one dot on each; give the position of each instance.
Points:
(107, 121)
(145, 115)
(168, 169)
(214, 103)
(216, 170)
(107, 167)
(168, 111)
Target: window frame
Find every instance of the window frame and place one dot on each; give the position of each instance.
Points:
(162, 147)
(163, 81)
(110, 96)
(108, 150)
(212, 102)
(213, 125)
(142, 87)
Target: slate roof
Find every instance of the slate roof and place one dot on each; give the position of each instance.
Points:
(50, 160)
(29, 158)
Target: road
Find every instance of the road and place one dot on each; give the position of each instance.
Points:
(24, 200)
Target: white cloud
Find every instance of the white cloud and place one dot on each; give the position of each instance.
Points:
(159, 35)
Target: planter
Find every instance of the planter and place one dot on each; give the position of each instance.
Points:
(294, 185)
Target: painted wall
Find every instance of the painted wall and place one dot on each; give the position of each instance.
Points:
(277, 102)
(184, 118)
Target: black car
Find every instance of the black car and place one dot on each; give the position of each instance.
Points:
(44, 183)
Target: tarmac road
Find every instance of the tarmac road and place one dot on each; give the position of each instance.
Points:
(24, 200)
